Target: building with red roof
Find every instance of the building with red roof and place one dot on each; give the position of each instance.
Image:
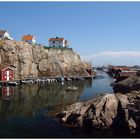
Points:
(58, 42)
(6, 74)
(29, 38)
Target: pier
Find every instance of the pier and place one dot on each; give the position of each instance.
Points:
(43, 79)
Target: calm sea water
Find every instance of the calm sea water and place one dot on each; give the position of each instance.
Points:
(26, 111)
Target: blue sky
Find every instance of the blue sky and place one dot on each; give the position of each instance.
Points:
(101, 32)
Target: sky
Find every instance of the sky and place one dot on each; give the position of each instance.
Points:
(101, 32)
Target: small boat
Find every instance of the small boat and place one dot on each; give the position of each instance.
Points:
(69, 79)
(27, 82)
(81, 78)
(12, 83)
(71, 88)
(62, 79)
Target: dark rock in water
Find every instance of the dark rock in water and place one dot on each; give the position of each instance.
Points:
(87, 122)
(128, 85)
(72, 119)
(121, 88)
(95, 123)
(61, 115)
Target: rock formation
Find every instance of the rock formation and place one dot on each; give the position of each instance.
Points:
(35, 60)
(129, 84)
(117, 112)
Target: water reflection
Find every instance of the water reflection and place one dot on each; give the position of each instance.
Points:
(7, 93)
(25, 99)
(24, 109)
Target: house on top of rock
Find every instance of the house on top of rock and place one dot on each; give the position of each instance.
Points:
(29, 38)
(58, 42)
(5, 35)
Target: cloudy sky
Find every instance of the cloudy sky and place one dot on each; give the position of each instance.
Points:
(101, 32)
(114, 57)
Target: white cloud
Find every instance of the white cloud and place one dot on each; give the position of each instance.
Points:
(115, 58)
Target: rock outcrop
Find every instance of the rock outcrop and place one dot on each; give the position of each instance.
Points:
(118, 112)
(129, 84)
(36, 60)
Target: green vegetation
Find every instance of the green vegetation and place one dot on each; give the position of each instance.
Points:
(57, 48)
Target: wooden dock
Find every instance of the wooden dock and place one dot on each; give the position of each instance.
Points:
(19, 81)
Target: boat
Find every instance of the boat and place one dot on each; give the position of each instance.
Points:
(27, 82)
(71, 88)
(62, 79)
(12, 83)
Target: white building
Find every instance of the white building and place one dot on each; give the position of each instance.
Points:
(5, 35)
(58, 42)
(29, 38)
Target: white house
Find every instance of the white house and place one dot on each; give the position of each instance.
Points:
(5, 35)
(58, 42)
(29, 38)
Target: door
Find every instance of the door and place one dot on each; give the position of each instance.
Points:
(8, 77)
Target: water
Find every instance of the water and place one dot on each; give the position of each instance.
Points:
(97, 87)
(26, 111)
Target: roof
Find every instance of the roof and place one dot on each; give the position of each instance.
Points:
(121, 67)
(27, 37)
(3, 68)
(127, 74)
(56, 39)
(2, 32)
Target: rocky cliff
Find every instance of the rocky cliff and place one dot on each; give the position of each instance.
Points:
(35, 60)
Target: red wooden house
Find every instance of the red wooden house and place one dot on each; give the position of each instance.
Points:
(89, 71)
(6, 74)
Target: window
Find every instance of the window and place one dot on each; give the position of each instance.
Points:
(53, 45)
(53, 41)
(59, 45)
(59, 42)
(10, 71)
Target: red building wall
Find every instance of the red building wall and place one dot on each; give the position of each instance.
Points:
(7, 74)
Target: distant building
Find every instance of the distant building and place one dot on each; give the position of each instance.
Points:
(29, 38)
(5, 35)
(58, 42)
(127, 73)
(114, 70)
(121, 68)
(6, 74)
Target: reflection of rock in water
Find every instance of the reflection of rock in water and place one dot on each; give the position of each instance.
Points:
(29, 98)
(88, 83)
